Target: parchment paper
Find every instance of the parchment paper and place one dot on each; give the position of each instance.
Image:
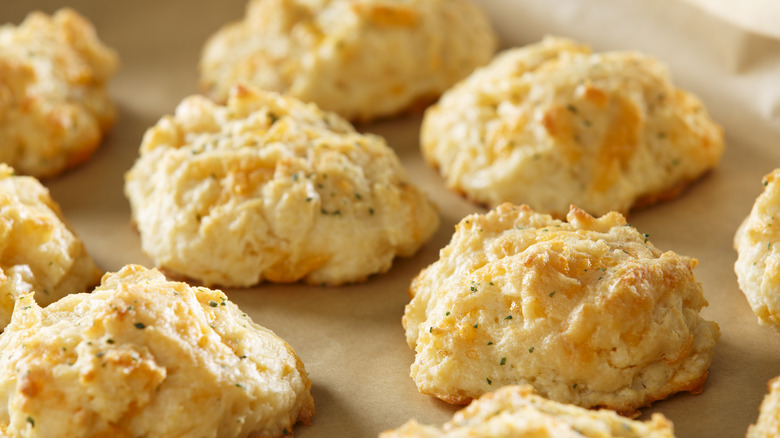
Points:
(350, 338)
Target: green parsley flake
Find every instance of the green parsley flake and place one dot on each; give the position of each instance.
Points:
(552, 293)
(140, 325)
(490, 343)
(490, 382)
(447, 314)
(213, 304)
(503, 361)
(31, 420)
(476, 325)
(531, 350)
(508, 317)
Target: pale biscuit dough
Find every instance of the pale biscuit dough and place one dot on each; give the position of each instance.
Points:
(360, 58)
(39, 252)
(757, 242)
(515, 411)
(768, 423)
(587, 311)
(54, 108)
(143, 356)
(552, 124)
(270, 188)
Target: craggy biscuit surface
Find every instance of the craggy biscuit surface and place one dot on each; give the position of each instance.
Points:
(757, 242)
(514, 411)
(552, 124)
(587, 311)
(270, 188)
(768, 423)
(38, 250)
(143, 356)
(360, 58)
(54, 109)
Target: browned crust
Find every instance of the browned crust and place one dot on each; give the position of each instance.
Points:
(630, 410)
(664, 195)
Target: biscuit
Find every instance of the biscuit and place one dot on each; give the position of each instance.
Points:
(143, 356)
(768, 423)
(39, 252)
(363, 59)
(552, 124)
(54, 108)
(515, 411)
(270, 188)
(758, 254)
(587, 311)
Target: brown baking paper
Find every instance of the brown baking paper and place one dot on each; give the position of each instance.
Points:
(350, 338)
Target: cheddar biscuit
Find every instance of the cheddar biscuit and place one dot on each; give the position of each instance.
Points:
(587, 311)
(758, 254)
(360, 58)
(515, 411)
(552, 124)
(39, 252)
(768, 422)
(54, 108)
(270, 188)
(143, 356)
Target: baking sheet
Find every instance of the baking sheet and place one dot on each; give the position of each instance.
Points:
(350, 338)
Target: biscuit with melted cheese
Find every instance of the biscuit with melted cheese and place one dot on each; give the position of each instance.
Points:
(757, 242)
(515, 411)
(552, 124)
(360, 58)
(587, 311)
(39, 252)
(54, 108)
(270, 188)
(144, 356)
